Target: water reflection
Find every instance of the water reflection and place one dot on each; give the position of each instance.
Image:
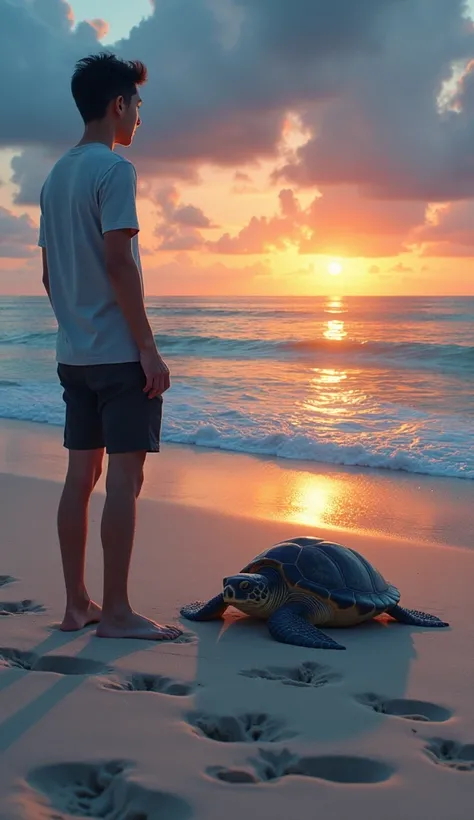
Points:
(314, 501)
(329, 395)
(335, 331)
(335, 305)
(330, 376)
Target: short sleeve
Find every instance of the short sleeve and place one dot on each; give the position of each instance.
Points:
(117, 198)
(41, 237)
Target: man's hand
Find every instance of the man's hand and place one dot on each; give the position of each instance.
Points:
(156, 372)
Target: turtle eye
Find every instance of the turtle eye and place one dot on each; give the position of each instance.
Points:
(244, 585)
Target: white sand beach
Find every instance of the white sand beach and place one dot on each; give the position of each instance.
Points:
(117, 729)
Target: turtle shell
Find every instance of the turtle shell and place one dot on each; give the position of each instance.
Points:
(330, 571)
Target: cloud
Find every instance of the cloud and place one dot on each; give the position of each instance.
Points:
(401, 268)
(39, 49)
(100, 26)
(338, 222)
(207, 99)
(241, 176)
(180, 225)
(149, 168)
(342, 222)
(263, 234)
(364, 78)
(18, 235)
(448, 230)
(243, 184)
(384, 131)
(29, 171)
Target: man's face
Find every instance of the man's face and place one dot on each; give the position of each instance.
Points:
(128, 119)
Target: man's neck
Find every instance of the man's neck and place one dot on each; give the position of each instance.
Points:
(98, 132)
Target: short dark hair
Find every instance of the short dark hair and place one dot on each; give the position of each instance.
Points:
(100, 78)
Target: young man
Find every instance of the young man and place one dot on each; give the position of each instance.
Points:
(112, 375)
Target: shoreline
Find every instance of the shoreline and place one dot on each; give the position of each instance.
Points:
(412, 507)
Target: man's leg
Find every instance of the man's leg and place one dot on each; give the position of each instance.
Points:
(84, 440)
(124, 482)
(84, 470)
(131, 423)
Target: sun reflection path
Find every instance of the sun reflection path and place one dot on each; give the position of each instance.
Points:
(330, 376)
(335, 331)
(314, 500)
(335, 305)
(331, 391)
(329, 396)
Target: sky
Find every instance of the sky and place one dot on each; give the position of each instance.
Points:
(312, 147)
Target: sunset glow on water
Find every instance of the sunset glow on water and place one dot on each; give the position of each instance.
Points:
(378, 382)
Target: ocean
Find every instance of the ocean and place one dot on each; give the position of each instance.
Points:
(382, 382)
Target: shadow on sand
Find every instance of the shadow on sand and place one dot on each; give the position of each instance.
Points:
(318, 694)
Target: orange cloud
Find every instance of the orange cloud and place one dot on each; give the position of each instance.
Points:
(448, 230)
(338, 222)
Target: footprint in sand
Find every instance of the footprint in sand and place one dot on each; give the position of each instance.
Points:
(102, 791)
(62, 665)
(6, 579)
(250, 727)
(150, 683)
(270, 766)
(403, 708)
(451, 754)
(20, 607)
(306, 674)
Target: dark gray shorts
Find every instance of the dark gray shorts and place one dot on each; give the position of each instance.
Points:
(106, 407)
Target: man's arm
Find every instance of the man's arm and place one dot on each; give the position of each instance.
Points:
(44, 258)
(125, 278)
(116, 194)
(46, 274)
(118, 214)
(126, 282)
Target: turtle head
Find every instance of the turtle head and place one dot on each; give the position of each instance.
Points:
(248, 592)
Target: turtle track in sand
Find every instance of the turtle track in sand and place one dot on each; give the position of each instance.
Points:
(249, 727)
(101, 790)
(307, 674)
(404, 708)
(271, 767)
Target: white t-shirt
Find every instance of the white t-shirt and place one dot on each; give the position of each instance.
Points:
(89, 191)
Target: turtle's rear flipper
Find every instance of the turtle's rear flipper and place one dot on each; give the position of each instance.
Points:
(413, 617)
(205, 611)
(289, 625)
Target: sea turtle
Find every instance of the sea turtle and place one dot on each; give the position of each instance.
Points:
(303, 583)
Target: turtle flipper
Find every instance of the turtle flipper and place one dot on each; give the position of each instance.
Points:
(205, 611)
(413, 617)
(289, 624)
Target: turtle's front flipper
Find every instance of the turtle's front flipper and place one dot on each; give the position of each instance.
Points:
(289, 624)
(413, 617)
(202, 611)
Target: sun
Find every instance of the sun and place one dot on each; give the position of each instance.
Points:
(334, 268)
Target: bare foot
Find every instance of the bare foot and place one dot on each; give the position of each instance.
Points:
(78, 618)
(134, 625)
